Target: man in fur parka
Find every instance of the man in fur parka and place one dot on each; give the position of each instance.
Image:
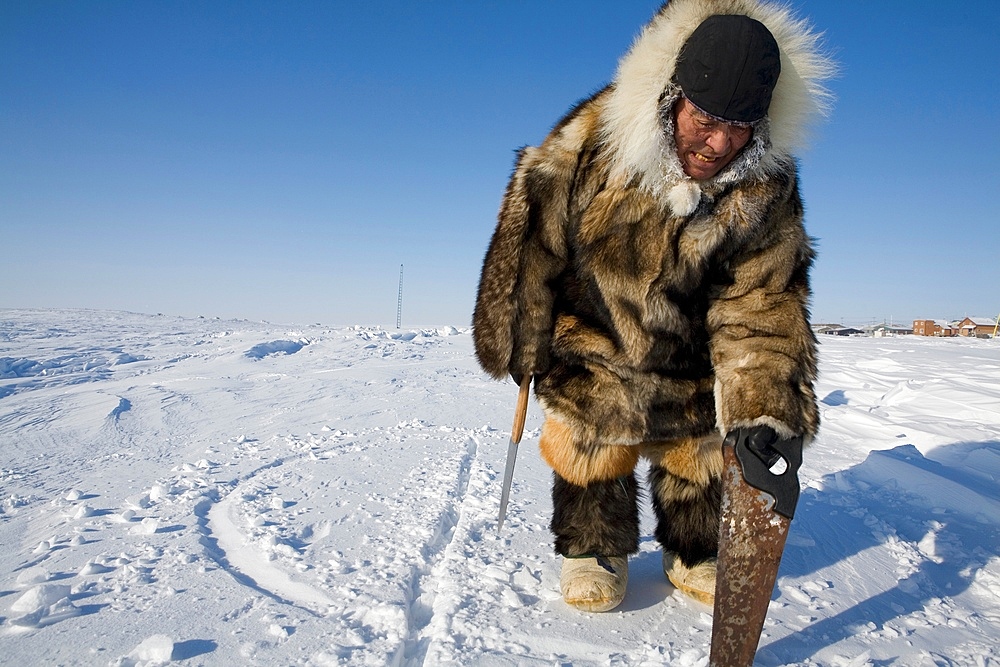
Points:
(649, 270)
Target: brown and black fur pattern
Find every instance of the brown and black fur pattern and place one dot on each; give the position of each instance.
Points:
(601, 518)
(651, 308)
(600, 515)
(640, 324)
(687, 524)
(685, 481)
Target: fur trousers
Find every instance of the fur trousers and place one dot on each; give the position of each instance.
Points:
(595, 494)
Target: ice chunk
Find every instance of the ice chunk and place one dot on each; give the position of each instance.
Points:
(33, 575)
(155, 650)
(40, 597)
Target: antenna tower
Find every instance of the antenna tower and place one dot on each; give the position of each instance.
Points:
(399, 299)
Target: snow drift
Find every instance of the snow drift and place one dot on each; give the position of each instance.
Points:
(232, 493)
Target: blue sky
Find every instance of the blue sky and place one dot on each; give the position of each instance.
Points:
(280, 161)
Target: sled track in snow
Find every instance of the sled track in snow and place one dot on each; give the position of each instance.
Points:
(436, 493)
(425, 576)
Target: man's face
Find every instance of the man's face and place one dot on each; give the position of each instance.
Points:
(704, 145)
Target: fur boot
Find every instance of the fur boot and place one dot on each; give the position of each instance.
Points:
(594, 583)
(596, 527)
(601, 518)
(696, 581)
(687, 515)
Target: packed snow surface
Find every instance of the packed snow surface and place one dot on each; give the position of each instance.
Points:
(193, 491)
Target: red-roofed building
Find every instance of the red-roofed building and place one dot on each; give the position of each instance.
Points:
(981, 327)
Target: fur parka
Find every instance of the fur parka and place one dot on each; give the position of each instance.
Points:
(649, 306)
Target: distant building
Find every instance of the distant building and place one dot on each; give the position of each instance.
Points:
(842, 331)
(934, 328)
(978, 327)
(822, 328)
(888, 330)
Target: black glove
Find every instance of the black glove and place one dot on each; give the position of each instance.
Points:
(759, 441)
(758, 449)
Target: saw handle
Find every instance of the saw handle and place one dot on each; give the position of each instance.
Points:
(521, 411)
(783, 486)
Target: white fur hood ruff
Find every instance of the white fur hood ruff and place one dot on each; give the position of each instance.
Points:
(643, 93)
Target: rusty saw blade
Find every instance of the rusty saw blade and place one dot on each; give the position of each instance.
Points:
(757, 510)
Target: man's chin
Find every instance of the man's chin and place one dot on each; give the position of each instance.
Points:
(702, 171)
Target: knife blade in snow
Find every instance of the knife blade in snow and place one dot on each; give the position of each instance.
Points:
(520, 412)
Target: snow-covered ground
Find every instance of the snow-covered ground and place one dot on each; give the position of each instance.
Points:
(236, 493)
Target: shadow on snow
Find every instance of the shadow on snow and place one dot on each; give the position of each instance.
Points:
(952, 515)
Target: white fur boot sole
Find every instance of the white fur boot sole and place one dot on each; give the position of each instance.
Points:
(594, 584)
(697, 581)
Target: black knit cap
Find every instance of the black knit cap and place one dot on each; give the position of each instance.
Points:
(728, 67)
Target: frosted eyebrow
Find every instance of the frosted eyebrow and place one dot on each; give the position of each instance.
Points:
(703, 117)
(706, 121)
(697, 114)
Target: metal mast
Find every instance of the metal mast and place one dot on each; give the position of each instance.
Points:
(399, 299)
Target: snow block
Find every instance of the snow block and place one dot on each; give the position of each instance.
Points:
(932, 484)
